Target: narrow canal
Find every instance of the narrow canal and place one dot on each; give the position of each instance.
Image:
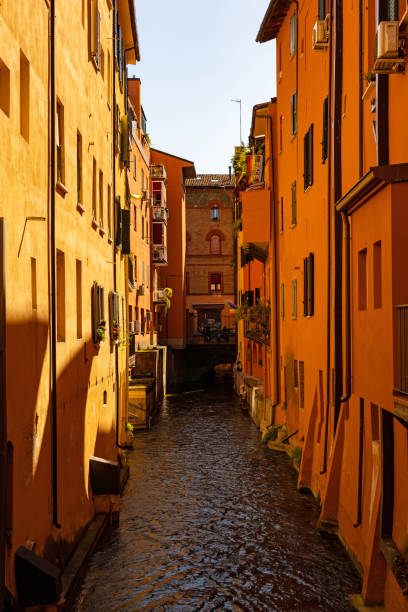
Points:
(211, 520)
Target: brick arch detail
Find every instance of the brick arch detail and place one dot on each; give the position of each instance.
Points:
(215, 203)
(215, 232)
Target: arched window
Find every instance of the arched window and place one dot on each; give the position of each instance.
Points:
(215, 213)
(215, 244)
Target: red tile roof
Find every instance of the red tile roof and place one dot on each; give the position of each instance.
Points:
(211, 180)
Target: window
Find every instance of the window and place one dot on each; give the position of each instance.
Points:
(215, 213)
(60, 296)
(134, 217)
(24, 96)
(280, 60)
(282, 300)
(143, 228)
(302, 384)
(94, 189)
(215, 245)
(60, 143)
(322, 9)
(108, 78)
(293, 114)
(325, 138)
(215, 282)
(292, 34)
(158, 233)
(295, 374)
(308, 158)
(308, 285)
(79, 168)
(33, 283)
(114, 327)
(98, 313)
(294, 299)
(362, 279)
(95, 34)
(377, 278)
(101, 198)
(79, 297)
(294, 204)
(4, 88)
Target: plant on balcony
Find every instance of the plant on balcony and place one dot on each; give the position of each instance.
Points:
(168, 294)
(101, 331)
(146, 138)
(115, 330)
(239, 161)
(129, 427)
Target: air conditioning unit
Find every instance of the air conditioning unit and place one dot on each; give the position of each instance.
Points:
(141, 289)
(138, 327)
(156, 255)
(320, 36)
(131, 327)
(145, 194)
(387, 57)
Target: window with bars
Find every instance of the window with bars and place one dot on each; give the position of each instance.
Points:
(308, 158)
(293, 114)
(308, 285)
(325, 135)
(294, 203)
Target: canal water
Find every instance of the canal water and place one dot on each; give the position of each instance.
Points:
(211, 520)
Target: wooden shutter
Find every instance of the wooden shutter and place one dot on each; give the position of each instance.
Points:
(325, 139)
(310, 279)
(120, 55)
(124, 142)
(282, 300)
(306, 161)
(293, 104)
(310, 156)
(305, 286)
(294, 207)
(115, 30)
(118, 229)
(322, 9)
(95, 311)
(126, 231)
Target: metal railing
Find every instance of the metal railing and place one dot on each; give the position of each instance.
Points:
(158, 171)
(160, 213)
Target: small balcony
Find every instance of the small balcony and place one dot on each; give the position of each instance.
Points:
(159, 255)
(160, 213)
(159, 296)
(158, 172)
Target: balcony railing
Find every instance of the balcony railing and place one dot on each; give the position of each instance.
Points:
(402, 312)
(160, 213)
(158, 171)
(159, 254)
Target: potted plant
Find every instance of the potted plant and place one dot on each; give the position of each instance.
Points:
(129, 435)
(101, 331)
(115, 330)
(168, 294)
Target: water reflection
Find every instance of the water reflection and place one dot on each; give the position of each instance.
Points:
(211, 520)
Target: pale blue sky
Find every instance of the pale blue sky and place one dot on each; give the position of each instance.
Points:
(195, 57)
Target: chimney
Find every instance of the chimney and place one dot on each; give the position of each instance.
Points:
(229, 170)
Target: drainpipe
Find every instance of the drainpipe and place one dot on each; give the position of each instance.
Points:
(347, 314)
(329, 259)
(337, 188)
(53, 351)
(3, 408)
(360, 90)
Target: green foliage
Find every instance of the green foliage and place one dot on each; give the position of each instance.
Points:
(296, 455)
(101, 331)
(259, 314)
(236, 227)
(168, 294)
(129, 427)
(369, 77)
(147, 138)
(239, 161)
(270, 434)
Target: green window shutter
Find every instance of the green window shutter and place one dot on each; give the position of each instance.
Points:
(126, 231)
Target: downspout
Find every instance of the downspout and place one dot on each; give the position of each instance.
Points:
(3, 410)
(54, 450)
(114, 138)
(360, 90)
(329, 259)
(337, 188)
(347, 313)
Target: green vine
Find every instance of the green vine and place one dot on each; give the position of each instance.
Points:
(296, 455)
(239, 161)
(168, 294)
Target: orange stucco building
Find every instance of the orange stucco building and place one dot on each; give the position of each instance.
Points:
(209, 255)
(169, 244)
(333, 274)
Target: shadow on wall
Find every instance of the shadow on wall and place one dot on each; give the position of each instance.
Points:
(85, 425)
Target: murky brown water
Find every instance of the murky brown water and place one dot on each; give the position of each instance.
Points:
(211, 520)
